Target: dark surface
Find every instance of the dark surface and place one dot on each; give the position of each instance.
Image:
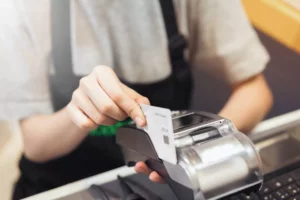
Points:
(282, 74)
(124, 137)
(162, 190)
(283, 184)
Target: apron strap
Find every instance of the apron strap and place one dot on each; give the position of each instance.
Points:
(60, 35)
(63, 82)
(176, 41)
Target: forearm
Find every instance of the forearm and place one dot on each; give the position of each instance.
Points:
(248, 104)
(50, 136)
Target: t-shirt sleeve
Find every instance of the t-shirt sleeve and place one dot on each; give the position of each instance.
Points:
(24, 87)
(228, 47)
(24, 92)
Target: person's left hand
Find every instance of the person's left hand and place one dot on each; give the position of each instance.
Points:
(141, 167)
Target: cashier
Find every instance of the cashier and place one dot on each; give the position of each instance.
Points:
(119, 71)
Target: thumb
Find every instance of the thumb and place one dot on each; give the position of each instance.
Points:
(132, 108)
(137, 114)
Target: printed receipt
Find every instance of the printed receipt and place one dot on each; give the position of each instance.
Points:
(160, 130)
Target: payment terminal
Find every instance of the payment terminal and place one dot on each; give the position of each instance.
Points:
(211, 160)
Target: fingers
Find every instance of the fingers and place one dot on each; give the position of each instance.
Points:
(154, 176)
(112, 87)
(87, 106)
(141, 167)
(100, 99)
(81, 120)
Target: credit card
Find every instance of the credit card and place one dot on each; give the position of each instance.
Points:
(160, 130)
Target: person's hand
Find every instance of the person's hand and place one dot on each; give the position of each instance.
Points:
(141, 167)
(101, 99)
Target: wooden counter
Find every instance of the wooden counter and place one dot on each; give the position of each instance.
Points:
(280, 19)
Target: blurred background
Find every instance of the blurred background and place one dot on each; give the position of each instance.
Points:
(278, 25)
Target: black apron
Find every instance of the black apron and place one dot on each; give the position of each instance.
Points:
(99, 154)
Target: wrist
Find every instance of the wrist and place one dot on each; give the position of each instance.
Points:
(71, 124)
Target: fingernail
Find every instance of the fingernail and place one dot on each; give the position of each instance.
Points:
(139, 121)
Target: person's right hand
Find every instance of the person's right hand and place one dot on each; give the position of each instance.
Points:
(101, 99)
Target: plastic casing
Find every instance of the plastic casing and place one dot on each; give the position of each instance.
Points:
(220, 166)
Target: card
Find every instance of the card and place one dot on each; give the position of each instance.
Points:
(160, 129)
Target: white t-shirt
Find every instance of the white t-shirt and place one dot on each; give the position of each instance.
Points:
(128, 36)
